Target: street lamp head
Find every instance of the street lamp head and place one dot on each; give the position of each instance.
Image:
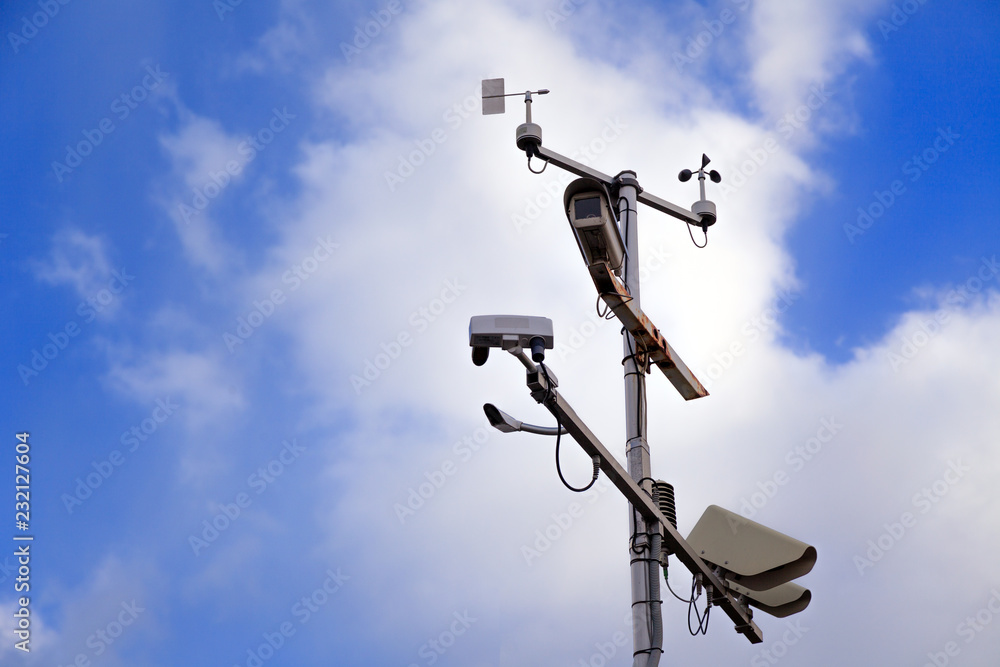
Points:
(500, 420)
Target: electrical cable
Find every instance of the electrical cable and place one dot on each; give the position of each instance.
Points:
(596, 460)
(667, 579)
(691, 234)
(635, 533)
(634, 356)
(656, 610)
(635, 525)
(625, 298)
(608, 313)
(539, 171)
(597, 468)
(702, 620)
(625, 235)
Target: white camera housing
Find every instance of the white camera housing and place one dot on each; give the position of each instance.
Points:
(588, 208)
(509, 331)
(753, 556)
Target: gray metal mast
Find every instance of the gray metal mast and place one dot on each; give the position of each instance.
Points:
(644, 605)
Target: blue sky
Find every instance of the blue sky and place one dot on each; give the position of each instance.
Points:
(216, 218)
(934, 73)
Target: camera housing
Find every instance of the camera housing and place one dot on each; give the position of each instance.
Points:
(508, 332)
(588, 207)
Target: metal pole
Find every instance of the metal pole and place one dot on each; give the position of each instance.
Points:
(636, 448)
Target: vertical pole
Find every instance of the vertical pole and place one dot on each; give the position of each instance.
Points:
(636, 448)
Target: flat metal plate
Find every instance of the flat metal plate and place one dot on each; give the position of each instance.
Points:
(649, 337)
(758, 557)
(781, 601)
(493, 99)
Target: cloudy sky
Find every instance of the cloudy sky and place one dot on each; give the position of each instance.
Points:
(241, 243)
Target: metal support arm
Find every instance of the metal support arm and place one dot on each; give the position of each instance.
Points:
(557, 405)
(643, 197)
(572, 165)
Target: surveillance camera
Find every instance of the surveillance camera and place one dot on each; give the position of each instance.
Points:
(588, 208)
(480, 355)
(753, 556)
(508, 332)
(537, 349)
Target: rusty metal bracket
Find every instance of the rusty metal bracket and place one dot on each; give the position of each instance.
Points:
(649, 338)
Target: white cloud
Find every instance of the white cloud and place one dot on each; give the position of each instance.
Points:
(797, 47)
(77, 259)
(448, 219)
(199, 148)
(201, 382)
(103, 617)
(40, 636)
(206, 161)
